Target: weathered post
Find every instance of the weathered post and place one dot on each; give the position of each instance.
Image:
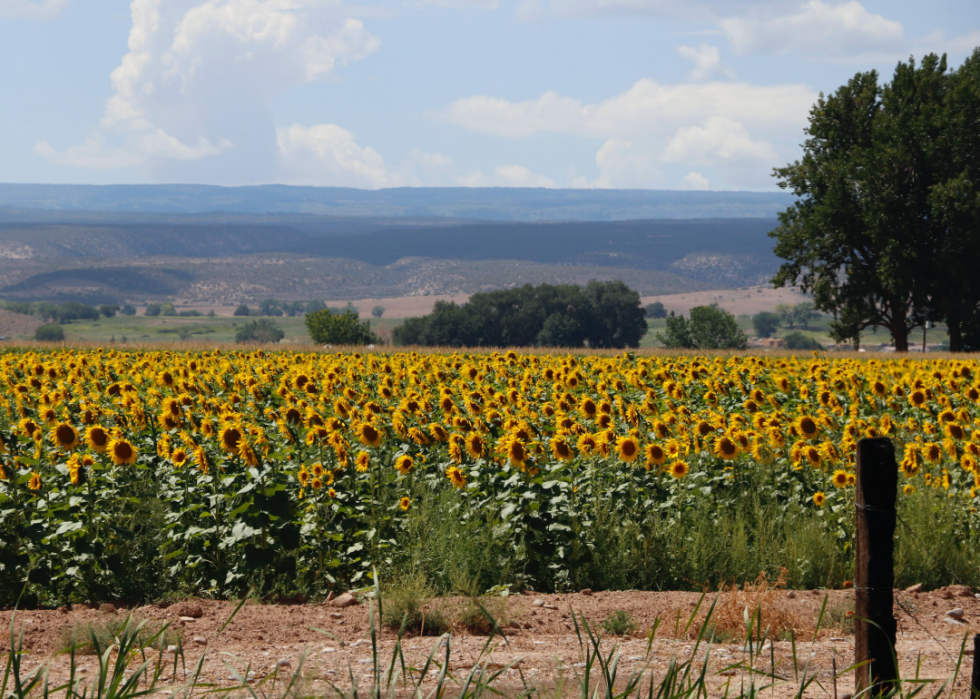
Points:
(975, 683)
(874, 575)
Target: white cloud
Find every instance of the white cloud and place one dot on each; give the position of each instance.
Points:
(698, 10)
(27, 9)
(731, 128)
(327, 155)
(519, 176)
(192, 96)
(647, 107)
(817, 27)
(936, 42)
(707, 62)
(461, 4)
(717, 139)
(695, 181)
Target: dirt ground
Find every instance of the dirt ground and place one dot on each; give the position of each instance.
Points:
(541, 642)
(749, 300)
(17, 325)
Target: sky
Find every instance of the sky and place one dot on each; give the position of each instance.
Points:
(646, 94)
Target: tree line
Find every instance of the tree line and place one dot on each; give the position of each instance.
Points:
(885, 231)
(600, 315)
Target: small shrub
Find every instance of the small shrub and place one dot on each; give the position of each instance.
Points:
(621, 623)
(49, 332)
(479, 622)
(261, 330)
(840, 615)
(407, 605)
(242, 310)
(798, 341)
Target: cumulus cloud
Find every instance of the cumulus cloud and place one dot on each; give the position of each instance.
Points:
(730, 127)
(192, 96)
(519, 176)
(675, 9)
(461, 4)
(28, 9)
(707, 62)
(938, 42)
(695, 181)
(817, 27)
(328, 155)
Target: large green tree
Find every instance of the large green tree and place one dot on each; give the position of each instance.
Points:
(864, 233)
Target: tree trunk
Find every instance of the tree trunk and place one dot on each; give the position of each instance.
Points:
(955, 334)
(901, 336)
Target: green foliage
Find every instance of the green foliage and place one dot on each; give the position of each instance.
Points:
(128, 309)
(152, 309)
(885, 223)
(620, 623)
(50, 332)
(167, 309)
(95, 637)
(602, 314)
(707, 328)
(270, 307)
(190, 314)
(260, 330)
(765, 323)
(798, 341)
(109, 310)
(326, 327)
(314, 306)
(378, 311)
(656, 310)
(408, 607)
(242, 310)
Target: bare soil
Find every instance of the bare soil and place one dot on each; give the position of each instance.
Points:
(749, 300)
(17, 324)
(541, 641)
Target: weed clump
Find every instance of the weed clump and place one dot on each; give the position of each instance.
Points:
(408, 608)
(620, 623)
(94, 638)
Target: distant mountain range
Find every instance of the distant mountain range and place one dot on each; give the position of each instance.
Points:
(487, 204)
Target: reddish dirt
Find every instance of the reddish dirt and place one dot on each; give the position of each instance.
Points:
(544, 647)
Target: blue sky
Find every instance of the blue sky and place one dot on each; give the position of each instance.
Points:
(662, 94)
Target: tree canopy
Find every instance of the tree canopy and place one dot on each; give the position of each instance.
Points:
(884, 229)
(602, 314)
(327, 327)
(708, 327)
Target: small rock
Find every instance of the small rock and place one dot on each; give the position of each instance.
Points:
(791, 595)
(537, 603)
(513, 624)
(946, 593)
(345, 600)
(587, 592)
(82, 670)
(364, 661)
(956, 613)
(837, 640)
(189, 608)
(960, 591)
(954, 620)
(330, 596)
(328, 649)
(107, 607)
(336, 615)
(845, 696)
(914, 588)
(283, 662)
(200, 640)
(814, 592)
(171, 649)
(63, 610)
(187, 619)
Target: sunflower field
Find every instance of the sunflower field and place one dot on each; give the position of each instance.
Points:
(135, 474)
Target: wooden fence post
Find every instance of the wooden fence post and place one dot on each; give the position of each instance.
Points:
(975, 683)
(874, 575)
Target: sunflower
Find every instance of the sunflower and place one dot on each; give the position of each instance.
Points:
(456, 476)
(64, 436)
(317, 470)
(587, 444)
(515, 451)
(316, 483)
(230, 436)
(35, 482)
(588, 408)
(655, 454)
(932, 452)
(368, 434)
(362, 461)
(405, 503)
(839, 478)
(303, 476)
(726, 448)
(97, 438)
(628, 449)
(438, 432)
(917, 398)
(475, 445)
(179, 457)
(806, 426)
(404, 464)
(29, 428)
(819, 499)
(679, 469)
(908, 489)
(561, 449)
(122, 452)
